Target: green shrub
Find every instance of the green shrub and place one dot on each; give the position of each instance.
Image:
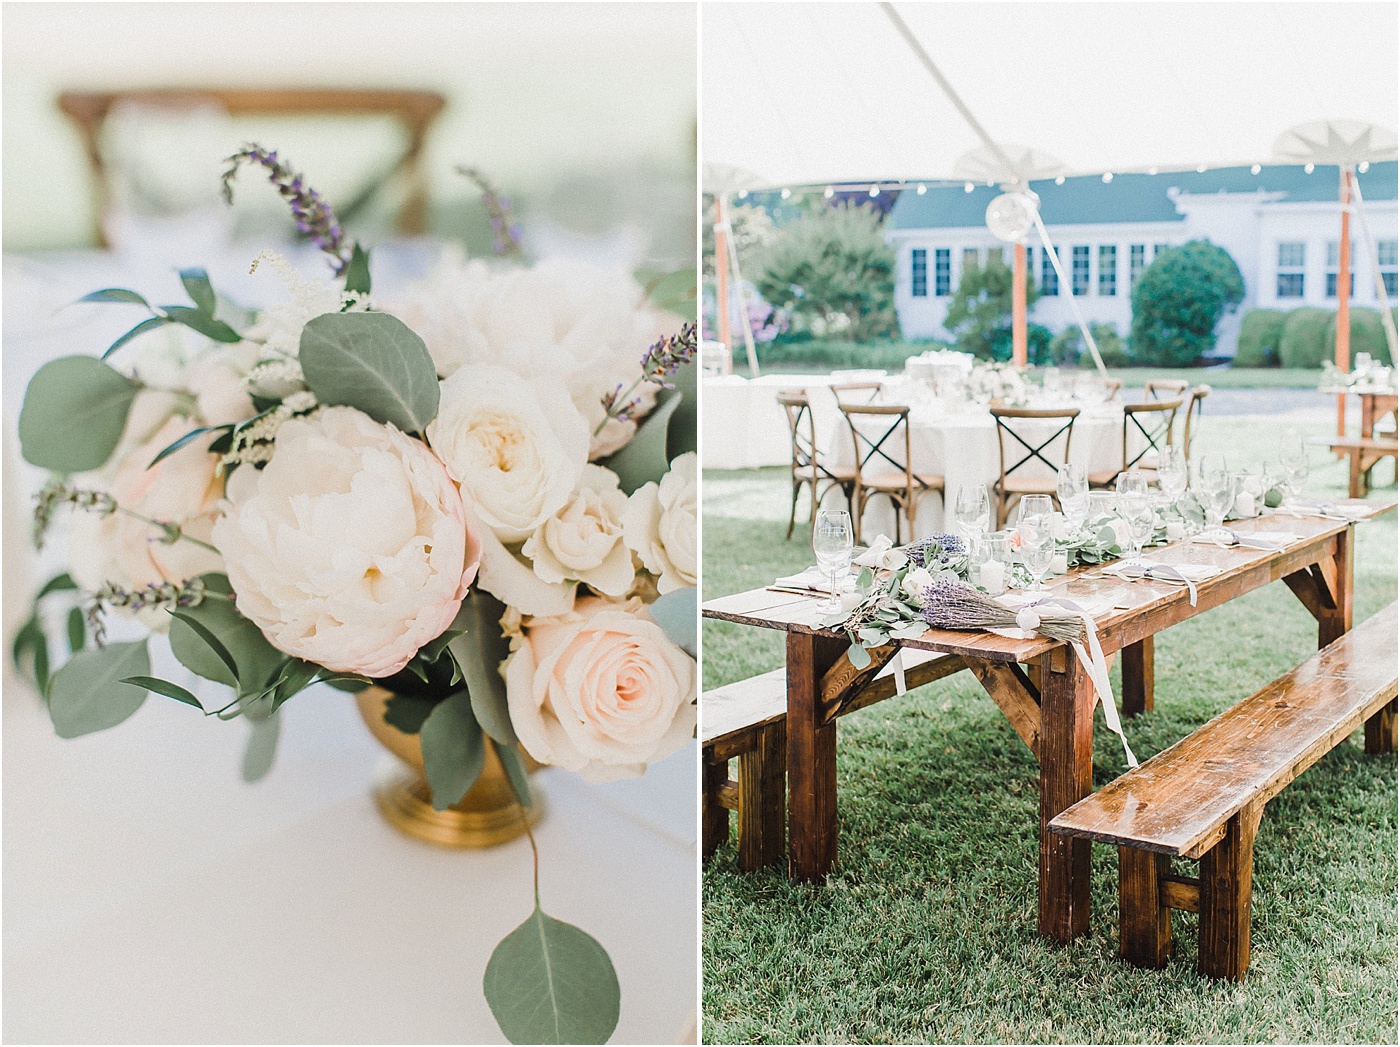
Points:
(820, 355)
(1367, 336)
(1068, 348)
(1038, 341)
(1259, 338)
(979, 314)
(1303, 342)
(1177, 301)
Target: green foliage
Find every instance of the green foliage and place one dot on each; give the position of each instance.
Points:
(31, 643)
(453, 749)
(200, 290)
(1260, 335)
(1303, 342)
(678, 613)
(372, 362)
(480, 650)
(1179, 298)
(644, 458)
(406, 712)
(357, 279)
(551, 982)
(833, 271)
(164, 687)
(73, 415)
(261, 750)
(236, 640)
(815, 354)
(1367, 336)
(979, 314)
(90, 693)
(1069, 350)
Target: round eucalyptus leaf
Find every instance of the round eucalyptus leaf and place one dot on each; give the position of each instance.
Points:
(74, 412)
(372, 362)
(454, 749)
(551, 982)
(88, 694)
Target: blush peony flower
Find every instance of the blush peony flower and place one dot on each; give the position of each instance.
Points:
(517, 446)
(584, 539)
(602, 690)
(660, 525)
(351, 548)
(182, 489)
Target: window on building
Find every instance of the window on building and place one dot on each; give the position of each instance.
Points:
(1079, 271)
(1049, 279)
(996, 256)
(969, 259)
(1334, 253)
(1292, 256)
(1158, 249)
(1030, 266)
(942, 272)
(1108, 270)
(1386, 254)
(918, 270)
(1137, 262)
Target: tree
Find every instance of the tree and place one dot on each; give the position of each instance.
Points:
(1179, 298)
(833, 272)
(979, 315)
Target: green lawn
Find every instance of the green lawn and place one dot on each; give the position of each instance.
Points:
(926, 932)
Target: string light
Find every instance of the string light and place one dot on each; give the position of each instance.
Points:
(1364, 166)
(1255, 169)
(922, 189)
(1152, 170)
(787, 193)
(874, 191)
(1108, 176)
(1200, 169)
(830, 192)
(967, 187)
(1060, 180)
(743, 194)
(1307, 169)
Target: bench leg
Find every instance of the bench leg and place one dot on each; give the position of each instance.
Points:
(1227, 881)
(1380, 730)
(1144, 923)
(1137, 677)
(714, 819)
(1356, 483)
(763, 799)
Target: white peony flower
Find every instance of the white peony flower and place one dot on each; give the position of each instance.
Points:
(602, 690)
(660, 525)
(915, 582)
(351, 548)
(584, 539)
(517, 446)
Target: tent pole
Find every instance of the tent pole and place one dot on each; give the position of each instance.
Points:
(722, 271)
(1344, 297)
(1018, 307)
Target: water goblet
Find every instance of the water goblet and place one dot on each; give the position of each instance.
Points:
(1172, 474)
(972, 510)
(832, 542)
(1294, 458)
(1072, 487)
(1035, 509)
(1037, 549)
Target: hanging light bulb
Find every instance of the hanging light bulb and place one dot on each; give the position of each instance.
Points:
(1255, 169)
(1152, 170)
(830, 192)
(743, 194)
(967, 187)
(1108, 176)
(922, 189)
(1012, 215)
(874, 191)
(1364, 166)
(787, 193)
(1060, 180)
(1200, 169)
(1307, 169)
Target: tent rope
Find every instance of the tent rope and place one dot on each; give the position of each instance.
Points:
(1387, 321)
(1054, 257)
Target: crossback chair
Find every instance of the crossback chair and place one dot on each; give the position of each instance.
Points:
(880, 434)
(1149, 427)
(856, 392)
(1165, 388)
(1028, 450)
(1114, 387)
(1194, 408)
(808, 466)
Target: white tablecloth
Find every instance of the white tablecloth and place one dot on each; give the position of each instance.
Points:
(743, 427)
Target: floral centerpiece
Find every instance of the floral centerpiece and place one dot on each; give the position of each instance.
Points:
(481, 498)
(1002, 381)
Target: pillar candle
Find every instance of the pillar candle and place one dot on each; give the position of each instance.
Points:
(994, 576)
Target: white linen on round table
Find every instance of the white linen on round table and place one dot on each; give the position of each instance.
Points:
(742, 425)
(962, 448)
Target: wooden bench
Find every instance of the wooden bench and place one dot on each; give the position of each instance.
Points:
(1202, 798)
(747, 720)
(1365, 453)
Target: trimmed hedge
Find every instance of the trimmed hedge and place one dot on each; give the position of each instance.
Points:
(1260, 333)
(1303, 342)
(1367, 336)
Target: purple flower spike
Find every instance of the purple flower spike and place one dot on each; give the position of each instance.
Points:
(313, 215)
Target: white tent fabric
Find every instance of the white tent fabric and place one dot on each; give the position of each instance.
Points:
(811, 93)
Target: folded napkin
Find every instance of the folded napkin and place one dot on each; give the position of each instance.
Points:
(1187, 574)
(817, 580)
(1326, 510)
(1272, 541)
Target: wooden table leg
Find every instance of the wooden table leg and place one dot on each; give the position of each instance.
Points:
(1333, 621)
(1137, 677)
(1066, 777)
(811, 757)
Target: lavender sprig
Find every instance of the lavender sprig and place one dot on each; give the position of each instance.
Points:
(314, 217)
(957, 605)
(57, 493)
(939, 550)
(663, 358)
(163, 595)
(505, 229)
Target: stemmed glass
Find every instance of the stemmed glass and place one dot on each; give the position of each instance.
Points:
(1217, 490)
(1172, 473)
(1293, 456)
(1035, 509)
(1136, 509)
(833, 544)
(1037, 546)
(972, 510)
(1072, 487)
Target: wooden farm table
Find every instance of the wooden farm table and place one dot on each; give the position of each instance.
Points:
(1053, 715)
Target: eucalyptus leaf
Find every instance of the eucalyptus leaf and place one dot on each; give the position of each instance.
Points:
(294, 678)
(77, 630)
(255, 659)
(373, 362)
(200, 290)
(643, 459)
(74, 412)
(453, 749)
(678, 613)
(551, 982)
(357, 272)
(30, 642)
(198, 320)
(516, 773)
(88, 694)
(683, 430)
(212, 642)
(406, 712)
(115, 294)
(58, 583)
(479, 651)
(149, 324)
(859, 656)
(262, 743)
(164, 687)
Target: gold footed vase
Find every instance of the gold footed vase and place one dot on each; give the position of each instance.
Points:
(486, 816)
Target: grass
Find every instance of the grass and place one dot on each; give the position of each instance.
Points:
(926, 932)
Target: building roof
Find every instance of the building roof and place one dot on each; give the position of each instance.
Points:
(1088, 200)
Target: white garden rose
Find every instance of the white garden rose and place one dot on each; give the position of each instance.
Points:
(602, 690)
(915, 581)
(517, 446)
(351, 548)
(584, 540)
(660, 525)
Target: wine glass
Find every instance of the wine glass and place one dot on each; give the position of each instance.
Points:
(1101, 504)
(973, 509)
(1217, 490)
(1035, 509)
(1135, 508)
(1037, 548)
(1072, 487)
(833, 543)
(1172, 473)
(1294, 458)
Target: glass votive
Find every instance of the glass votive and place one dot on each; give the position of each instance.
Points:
(1176, 530)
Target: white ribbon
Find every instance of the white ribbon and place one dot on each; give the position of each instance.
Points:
(1158, 572)
(898, 663)
(1097, 667)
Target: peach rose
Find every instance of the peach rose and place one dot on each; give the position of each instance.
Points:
(602, 690)
(351, 548)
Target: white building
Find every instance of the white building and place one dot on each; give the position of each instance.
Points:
(1281, 225)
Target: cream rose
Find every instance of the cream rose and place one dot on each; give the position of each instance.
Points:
(351, 548)
(584, 539)
(660, 525)
(517, 446)
(182, 490)
(602, 690)
(915, 582)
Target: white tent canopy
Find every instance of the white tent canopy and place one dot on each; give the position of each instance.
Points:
(811, 93)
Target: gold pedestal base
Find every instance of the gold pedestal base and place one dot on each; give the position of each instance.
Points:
(406, 801)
